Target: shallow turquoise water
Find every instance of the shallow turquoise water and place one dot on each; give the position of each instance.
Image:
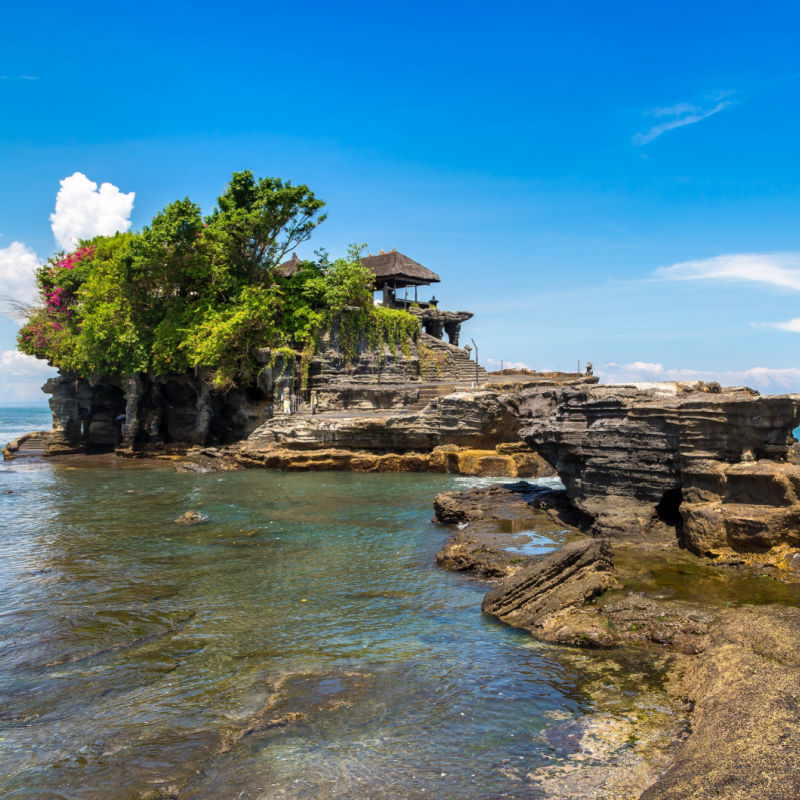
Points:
(300, 644)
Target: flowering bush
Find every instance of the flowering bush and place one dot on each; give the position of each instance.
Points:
(194, 291)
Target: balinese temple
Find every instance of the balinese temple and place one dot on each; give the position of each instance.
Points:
(396, 272)
(288, 268)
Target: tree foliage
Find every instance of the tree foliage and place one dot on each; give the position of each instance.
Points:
(200, 292)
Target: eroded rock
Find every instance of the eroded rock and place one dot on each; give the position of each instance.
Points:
(668, 461)
(539, 596)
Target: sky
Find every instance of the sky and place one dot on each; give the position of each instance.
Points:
(615, 183)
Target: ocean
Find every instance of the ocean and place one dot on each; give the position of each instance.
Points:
(301, 644)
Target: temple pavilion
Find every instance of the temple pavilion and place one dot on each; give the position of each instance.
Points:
(392, 270)
(395, 271)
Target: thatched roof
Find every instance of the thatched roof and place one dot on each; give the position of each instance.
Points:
(398, 270)
(288, 268)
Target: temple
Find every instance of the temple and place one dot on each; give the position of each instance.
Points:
(395, 271)
(342, 377)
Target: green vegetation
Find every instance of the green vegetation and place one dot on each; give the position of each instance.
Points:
(201, 292)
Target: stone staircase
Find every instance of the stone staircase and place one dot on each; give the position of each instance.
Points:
(448, 364)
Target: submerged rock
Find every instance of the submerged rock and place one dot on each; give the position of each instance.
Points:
(191, 518)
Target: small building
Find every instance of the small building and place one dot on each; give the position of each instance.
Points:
(289, 268)
(395, 271)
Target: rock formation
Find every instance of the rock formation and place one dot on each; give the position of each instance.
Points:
(667, 461)
(468, 419)
(540, 596)
(745, 690)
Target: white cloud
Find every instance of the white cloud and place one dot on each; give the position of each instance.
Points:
(494, 364)
(83, 210)
(681, 114)
(776, 269)
(17, 365)
(17, 281)
(21, 377)
(765, 379)
(792, 325)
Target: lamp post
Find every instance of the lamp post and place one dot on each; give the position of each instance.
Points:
(476, 362)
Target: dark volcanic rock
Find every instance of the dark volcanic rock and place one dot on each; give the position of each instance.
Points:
(538, 595)
(507, 501)
(630, 457)
(478, 547)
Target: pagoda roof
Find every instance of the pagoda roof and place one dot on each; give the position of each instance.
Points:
(398, 270)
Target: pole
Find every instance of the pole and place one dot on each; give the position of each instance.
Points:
(476, 362)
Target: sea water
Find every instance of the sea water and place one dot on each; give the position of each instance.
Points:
(300, 644)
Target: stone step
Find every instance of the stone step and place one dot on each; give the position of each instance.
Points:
(452, 363)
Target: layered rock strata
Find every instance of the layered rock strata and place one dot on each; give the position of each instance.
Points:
(673, 462)
(468, 419)
(541, 596)
(489, 520)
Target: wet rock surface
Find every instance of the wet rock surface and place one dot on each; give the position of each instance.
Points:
(737, 668)
(478, 546)
(745, 740)
(540, 594)
(512, 460)
(29, 444)
(191, 518)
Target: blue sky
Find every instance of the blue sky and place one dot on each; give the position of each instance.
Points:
(608, 182)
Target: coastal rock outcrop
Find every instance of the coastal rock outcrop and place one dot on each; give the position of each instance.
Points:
(29, 444)
(541, 596)
(672, 461)
(518, 461)
(745, 690)
(490, 521)
(468, 419)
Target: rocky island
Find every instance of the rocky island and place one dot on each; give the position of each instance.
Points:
(195, 342)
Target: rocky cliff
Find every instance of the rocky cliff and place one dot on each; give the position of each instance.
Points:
(691, 462)
(136, 413)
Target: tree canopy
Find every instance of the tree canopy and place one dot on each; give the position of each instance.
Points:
(200, 292)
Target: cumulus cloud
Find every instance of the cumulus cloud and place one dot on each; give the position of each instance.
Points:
(83, 210)
(21, 377)
(17, 265)
(680, 115)
(775, 269)
(765, 379)
(18, 365)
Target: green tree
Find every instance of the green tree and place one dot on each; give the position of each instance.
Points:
(195, 292)
(257, 223)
